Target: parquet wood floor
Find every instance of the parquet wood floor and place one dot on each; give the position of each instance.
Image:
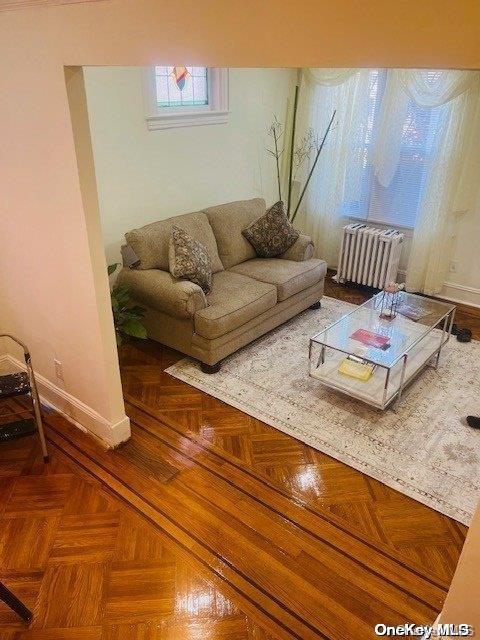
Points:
(210, 524)
(91, 567)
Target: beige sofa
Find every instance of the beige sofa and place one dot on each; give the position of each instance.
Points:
(249, 295)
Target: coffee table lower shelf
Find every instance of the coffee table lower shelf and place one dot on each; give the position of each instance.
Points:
(372, 391)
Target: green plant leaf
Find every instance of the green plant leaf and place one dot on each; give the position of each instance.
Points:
(122, 299)
(133, 327)
(121, 290)
(111, 268)
(126, 317)
(138, 311)
(128, 314)
(120, 317)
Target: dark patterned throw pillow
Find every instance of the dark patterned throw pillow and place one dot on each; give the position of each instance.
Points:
(189, 259)
(272, 234)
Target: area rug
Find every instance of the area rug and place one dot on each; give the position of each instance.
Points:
(425, 449)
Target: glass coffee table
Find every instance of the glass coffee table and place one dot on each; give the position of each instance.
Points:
(396, 349)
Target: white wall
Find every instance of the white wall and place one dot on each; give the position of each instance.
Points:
(463, 284)
(149, 175)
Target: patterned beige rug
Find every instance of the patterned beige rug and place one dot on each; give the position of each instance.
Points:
(425, 450)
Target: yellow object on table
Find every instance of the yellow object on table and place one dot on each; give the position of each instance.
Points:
(360, 370)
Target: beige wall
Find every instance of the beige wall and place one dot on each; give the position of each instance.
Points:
(150, 175)
(48, 283)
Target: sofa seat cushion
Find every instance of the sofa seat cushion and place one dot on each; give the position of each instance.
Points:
(151, 242)
(288, 276)
(233, 301)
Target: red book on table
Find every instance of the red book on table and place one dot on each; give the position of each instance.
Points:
(370, 339)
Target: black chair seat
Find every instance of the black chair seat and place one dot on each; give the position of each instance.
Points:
(17, 429)
(14, 384)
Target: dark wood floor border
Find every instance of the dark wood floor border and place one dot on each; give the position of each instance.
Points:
(327, 517)
(296, 523)
(153, 514)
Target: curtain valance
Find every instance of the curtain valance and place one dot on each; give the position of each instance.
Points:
(432, 88)
(428, 87)
(330, 77)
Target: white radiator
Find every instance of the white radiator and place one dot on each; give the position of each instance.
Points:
(368, 255)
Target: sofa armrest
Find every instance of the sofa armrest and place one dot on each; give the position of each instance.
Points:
(301, 250)
(159, 290)
(129, 257)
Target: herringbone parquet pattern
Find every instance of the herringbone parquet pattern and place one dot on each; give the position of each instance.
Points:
(92, 569)
(242, 532)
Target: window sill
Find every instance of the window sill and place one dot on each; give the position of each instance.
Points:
(190, 119)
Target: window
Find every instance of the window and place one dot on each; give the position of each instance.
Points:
(180, 96)
(181, 87)
(397, 204)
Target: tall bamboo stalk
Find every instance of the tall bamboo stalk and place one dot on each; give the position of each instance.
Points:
(292, 145)
(319, 150)
(278, 164)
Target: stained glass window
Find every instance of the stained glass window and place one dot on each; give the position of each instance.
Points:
(181, 86)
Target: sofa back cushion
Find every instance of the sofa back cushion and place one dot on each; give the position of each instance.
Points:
(228, 221)
(151, 242)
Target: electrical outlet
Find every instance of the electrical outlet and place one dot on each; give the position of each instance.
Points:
(453, 266)
(58, 369)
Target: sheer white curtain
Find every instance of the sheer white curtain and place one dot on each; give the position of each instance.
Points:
(453, 177)
(452, 188)
(321, 92)
(451, 192)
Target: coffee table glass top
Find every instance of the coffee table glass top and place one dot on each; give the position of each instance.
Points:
(381, 341)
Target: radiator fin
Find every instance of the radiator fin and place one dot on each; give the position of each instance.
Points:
(369, 255)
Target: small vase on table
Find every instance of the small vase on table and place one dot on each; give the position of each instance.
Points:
(389, 300)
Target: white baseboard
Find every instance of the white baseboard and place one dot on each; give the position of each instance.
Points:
(461, 294)
(73, 409)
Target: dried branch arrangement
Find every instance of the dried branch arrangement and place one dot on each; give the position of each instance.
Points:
(276, 131)
(300, 153)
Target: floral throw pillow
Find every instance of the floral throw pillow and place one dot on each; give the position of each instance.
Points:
(189, 259)
(272, 234)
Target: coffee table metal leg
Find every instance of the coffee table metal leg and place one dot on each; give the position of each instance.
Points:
(442, 339)
(385, 388)
(321, 357)
(322, 354)
(402, 382)
(448, 322)
(452, 318)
